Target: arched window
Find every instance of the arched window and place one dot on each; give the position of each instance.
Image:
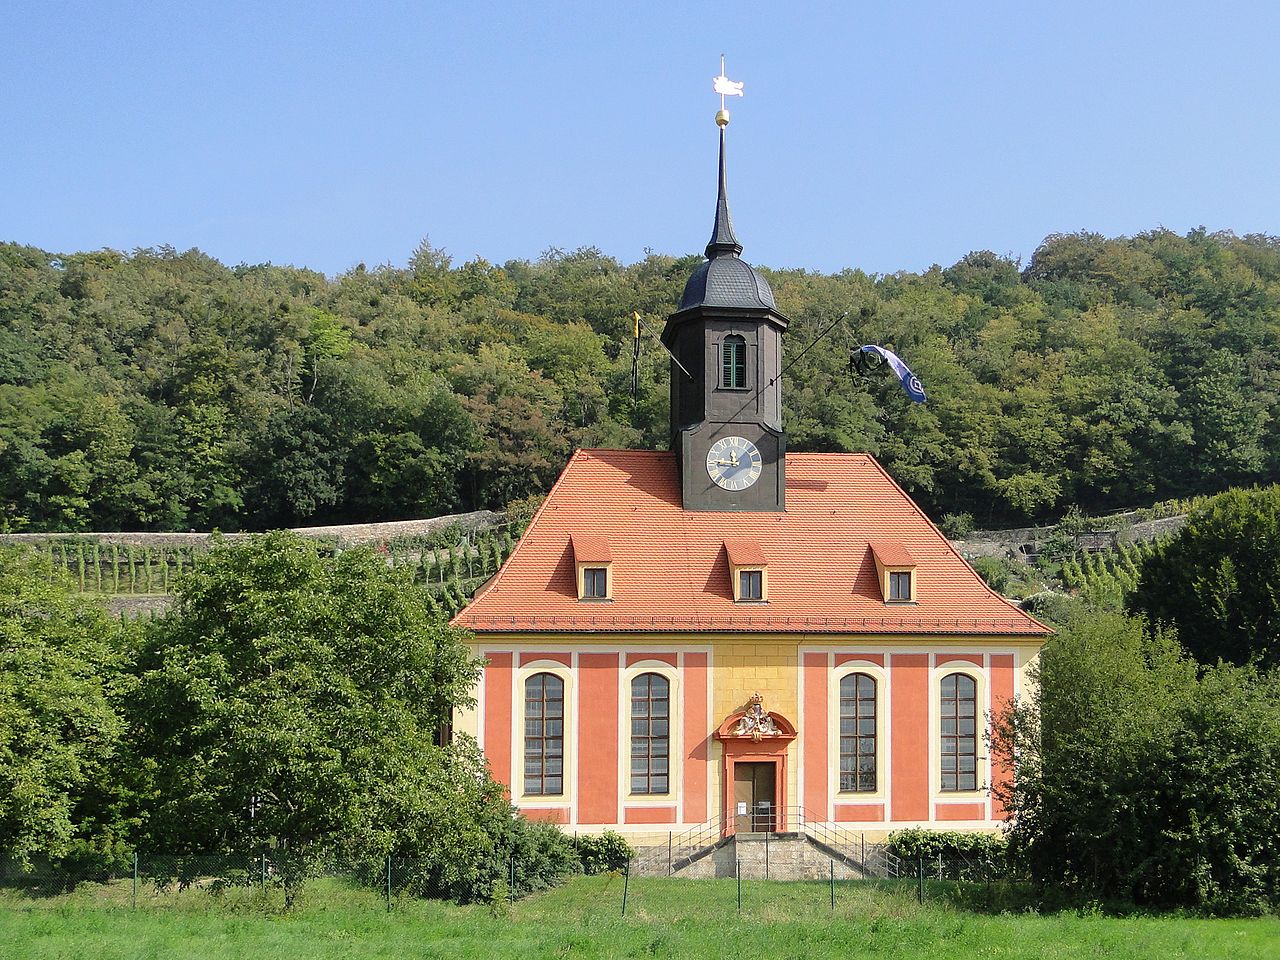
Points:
(733, 363)
(650, 733)
(857, 733)
(544, 735)
(959, 732)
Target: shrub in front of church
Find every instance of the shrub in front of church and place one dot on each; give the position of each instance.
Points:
(603, 852)
(1144, 778)
(966, 856)
(542, 856)
(468, 844)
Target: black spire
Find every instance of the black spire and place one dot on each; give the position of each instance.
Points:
(723, 240)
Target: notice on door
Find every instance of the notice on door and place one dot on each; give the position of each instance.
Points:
(742, 808)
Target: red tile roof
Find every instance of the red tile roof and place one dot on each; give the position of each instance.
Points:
(671, 572)
(589, 549)
(891, 553)
(745, 553)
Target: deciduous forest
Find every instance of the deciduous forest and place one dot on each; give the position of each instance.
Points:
(164, 390)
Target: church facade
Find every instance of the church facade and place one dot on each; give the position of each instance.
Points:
(732, 637)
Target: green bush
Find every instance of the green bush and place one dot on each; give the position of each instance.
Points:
(1143, 778)
(543, 856)
(603, 852)
(917, 844)
(995, 571)
(957, 526)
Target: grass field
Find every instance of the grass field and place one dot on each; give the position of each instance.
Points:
(665, 918)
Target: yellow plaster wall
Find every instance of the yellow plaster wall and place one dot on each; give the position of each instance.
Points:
(743, 668)
(740, 668)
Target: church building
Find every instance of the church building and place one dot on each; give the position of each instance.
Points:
(735, 638)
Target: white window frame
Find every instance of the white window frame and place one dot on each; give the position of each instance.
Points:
(675, 745)
(570, 765)
(881, 676)
(982, 710)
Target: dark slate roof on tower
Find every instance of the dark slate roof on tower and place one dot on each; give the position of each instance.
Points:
(725, 280)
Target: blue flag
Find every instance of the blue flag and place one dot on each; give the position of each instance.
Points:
(910, 382)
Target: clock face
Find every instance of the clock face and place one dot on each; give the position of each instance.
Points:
(733, 463)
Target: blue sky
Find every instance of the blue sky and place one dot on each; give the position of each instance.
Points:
(881, 136)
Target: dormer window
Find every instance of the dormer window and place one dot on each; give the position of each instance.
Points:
(895, 571)
(593, 566)
(899, 584)
(748, 570)
(595, 583)
(733, 363)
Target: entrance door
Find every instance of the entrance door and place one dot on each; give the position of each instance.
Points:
(753, 798)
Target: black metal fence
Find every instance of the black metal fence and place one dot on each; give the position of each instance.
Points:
(276, 879)
(133, 878)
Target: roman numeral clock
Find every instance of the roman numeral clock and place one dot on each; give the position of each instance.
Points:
(733, 463)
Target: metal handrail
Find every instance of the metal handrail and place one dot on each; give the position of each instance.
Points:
(703, 835)
(875, 859)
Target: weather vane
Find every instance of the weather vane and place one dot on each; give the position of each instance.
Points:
(726, 88)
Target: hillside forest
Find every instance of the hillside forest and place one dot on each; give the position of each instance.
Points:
(163, 390)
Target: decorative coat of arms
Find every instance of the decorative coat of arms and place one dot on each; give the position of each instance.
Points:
(755, 723)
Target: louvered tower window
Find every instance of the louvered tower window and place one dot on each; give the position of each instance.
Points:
(733, 373)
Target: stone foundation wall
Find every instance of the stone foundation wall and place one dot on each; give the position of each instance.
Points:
(786, 856)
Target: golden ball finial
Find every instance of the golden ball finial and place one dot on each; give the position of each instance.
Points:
(722, 118)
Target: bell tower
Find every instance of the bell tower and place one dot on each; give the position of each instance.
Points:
(726, 384)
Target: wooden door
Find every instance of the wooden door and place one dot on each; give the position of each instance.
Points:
(753, 798)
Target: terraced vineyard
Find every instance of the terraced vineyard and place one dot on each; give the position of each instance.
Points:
(452, 564)
(1105, 577)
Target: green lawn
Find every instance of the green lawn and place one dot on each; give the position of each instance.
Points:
(665, 918)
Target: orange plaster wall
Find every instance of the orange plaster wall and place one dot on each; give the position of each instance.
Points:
(598, 744)
(816, 777)
(909, 681)
(960, 811)
(697, 737)
(842, 658)
(650, 815)
(1001, 695)
(565, 658)
(974, 658)
(634, 658)
(859, 813)
(497, 715)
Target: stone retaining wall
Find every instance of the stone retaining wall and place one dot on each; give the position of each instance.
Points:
(1021, 542)
(347, 535)
(784, 856)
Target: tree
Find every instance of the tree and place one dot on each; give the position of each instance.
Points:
(1214, 582)
(1139, 778)
(289, 696)
(61, 677)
